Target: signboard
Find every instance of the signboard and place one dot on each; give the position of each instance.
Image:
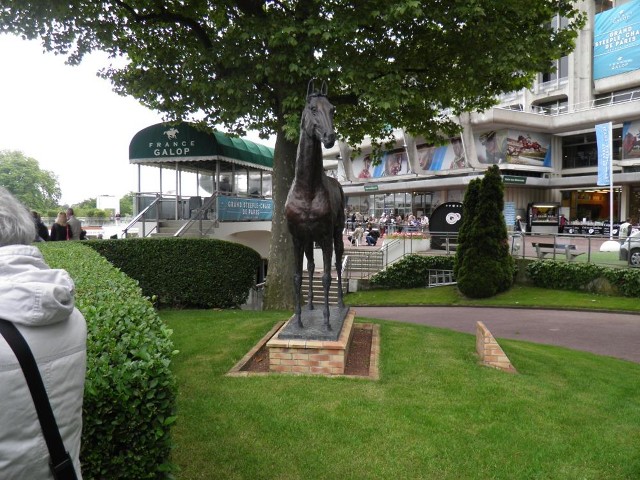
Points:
(370, 188)
(514, 179)
(616, 41)
(235, 209)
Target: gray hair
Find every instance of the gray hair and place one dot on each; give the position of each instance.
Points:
(16, 222)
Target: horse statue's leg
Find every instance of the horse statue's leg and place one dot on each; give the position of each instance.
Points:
(338, 244)
(311, 266)
(297, 279)
(327, 253)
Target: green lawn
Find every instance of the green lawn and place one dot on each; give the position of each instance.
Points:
(517, 296)
(435, 413)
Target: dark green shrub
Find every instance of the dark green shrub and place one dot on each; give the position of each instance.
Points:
(563, 275)
(130, 392)
(469, 206)
(485, 267)
(411, 271)
(185, 272)
(581, 276)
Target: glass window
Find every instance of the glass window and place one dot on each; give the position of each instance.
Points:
(579, 151)
(267, 184)
(225, 179)
(240, 180)
(255, 187)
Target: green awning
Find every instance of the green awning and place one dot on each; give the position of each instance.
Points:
(165, 143)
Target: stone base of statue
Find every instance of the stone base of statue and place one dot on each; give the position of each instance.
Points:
(312, 349)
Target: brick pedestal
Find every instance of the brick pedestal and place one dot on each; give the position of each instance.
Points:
(311, 356)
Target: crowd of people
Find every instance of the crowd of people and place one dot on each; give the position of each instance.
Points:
(363, 230)
(66, 227)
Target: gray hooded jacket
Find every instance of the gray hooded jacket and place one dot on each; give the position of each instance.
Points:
(39, 301)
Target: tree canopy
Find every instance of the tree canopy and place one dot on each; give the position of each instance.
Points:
(245, 64)
(38, 189)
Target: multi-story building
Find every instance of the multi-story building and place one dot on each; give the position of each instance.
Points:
(542, 139)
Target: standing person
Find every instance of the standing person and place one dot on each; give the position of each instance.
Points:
(75, 224)
(42, 232)
(519, 226)
(61, 230)
(39, 301)
(624, 231)
(357, 235)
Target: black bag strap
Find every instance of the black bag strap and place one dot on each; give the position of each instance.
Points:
(61, 464)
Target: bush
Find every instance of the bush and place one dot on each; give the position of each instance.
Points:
(411, 271)
(130, 392)
(484, 267)
(582, 276)
(185, 272)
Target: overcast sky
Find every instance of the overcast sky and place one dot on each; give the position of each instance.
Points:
(69, 120)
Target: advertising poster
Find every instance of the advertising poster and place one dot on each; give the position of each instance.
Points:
(391, 164)
(631, 140)
(616, 41)
(515, 147)
(447, 157)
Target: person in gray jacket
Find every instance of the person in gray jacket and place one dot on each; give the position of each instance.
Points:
(75, 224)
(40, 303)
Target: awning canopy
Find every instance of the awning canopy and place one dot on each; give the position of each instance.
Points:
(165, 143)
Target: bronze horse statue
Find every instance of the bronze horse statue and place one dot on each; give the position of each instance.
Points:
(315, 205)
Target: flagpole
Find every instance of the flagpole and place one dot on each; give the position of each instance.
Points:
(611, 192)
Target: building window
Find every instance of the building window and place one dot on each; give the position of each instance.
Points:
(580, 151)
(551, 108)
(558, 72)
(603, 5)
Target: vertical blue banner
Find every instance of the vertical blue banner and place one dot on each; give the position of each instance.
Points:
(605, 152)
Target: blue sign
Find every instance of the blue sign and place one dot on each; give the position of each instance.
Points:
(237, 209)
(605, 151)
(616, 41)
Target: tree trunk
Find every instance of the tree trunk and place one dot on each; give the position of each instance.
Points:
(279, 287)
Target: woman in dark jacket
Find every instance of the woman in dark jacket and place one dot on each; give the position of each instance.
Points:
(61, 229)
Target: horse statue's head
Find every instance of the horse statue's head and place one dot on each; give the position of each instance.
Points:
(317, 119)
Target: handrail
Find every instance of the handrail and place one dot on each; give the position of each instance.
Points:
(140, 215)
(198, 216)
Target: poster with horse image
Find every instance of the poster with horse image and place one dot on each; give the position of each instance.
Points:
(391, 164)
(515, 147)
(631, 140)
(446, 157)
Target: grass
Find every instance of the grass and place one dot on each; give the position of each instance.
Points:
(517, 296)
(435, 413)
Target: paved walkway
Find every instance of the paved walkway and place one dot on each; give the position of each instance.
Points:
(613, 334)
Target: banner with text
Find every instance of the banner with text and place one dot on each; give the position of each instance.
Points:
(605, 152)
(237, 209)
(616, 41)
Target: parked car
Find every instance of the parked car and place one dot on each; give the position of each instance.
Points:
(630, 249)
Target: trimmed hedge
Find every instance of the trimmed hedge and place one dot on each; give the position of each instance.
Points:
(130, 392)
(412, 271)
(185, 272)
(583, 276)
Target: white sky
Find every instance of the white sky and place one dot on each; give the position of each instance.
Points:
(70, 120)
